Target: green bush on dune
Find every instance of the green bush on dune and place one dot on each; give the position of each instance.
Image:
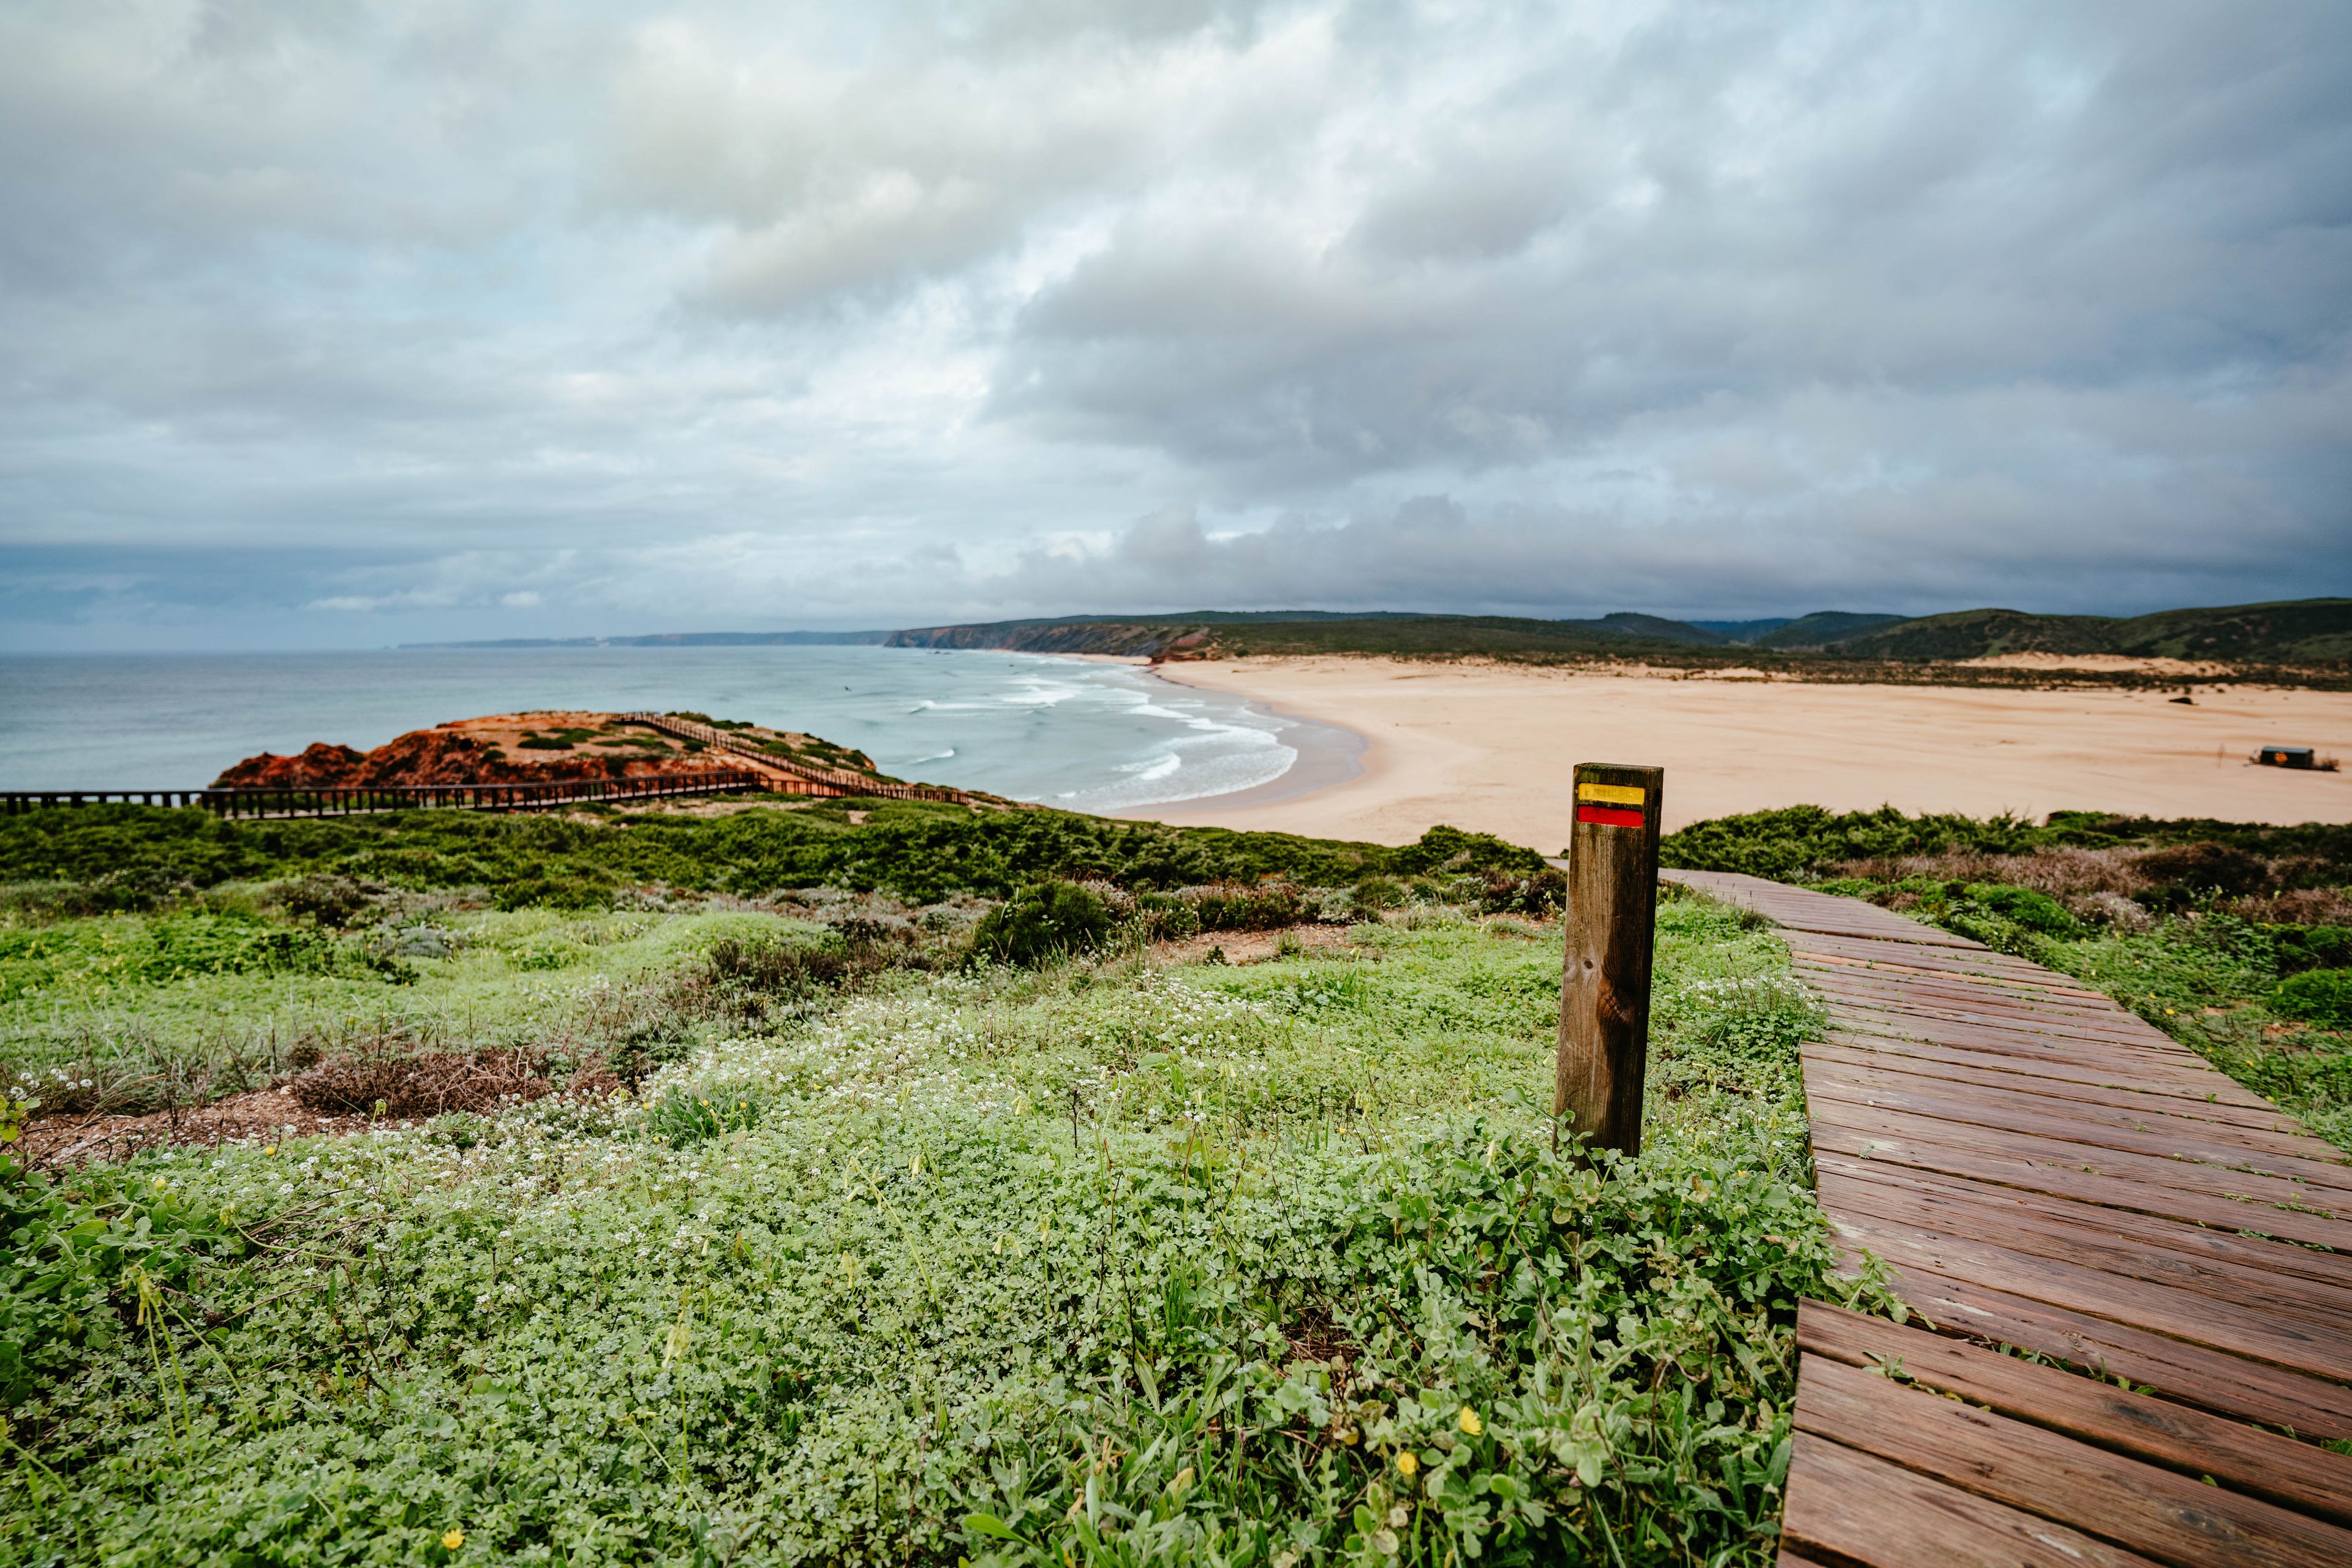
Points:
(918, 851)
(2322, 997)
(1043, 921)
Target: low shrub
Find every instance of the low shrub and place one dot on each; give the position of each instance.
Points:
(332, 901)
(1238, 906)
(577, 892)
(2321, 996)
(1043, 921)
(1542, 893)
(2007, 919)
(2311, 947)
(2185, 871)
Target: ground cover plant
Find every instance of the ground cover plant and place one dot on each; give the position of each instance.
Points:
(2234, 938)
(792, 1234)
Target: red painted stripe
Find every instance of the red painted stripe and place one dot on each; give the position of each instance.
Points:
(1609, 816)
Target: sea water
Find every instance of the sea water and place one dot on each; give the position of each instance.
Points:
(1070, 732)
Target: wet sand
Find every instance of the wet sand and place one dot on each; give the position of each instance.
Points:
(1490, 747)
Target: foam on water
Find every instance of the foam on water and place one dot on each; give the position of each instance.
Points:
(1091, 736)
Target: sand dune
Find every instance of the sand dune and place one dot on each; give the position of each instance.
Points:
(1488, 747)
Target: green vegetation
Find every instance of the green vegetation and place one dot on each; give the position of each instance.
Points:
(2236, 939)
(113, 858)
(791, 1235)
(771, 1188)
(1822, 627)
(2299, 631)
(1043, 921)
(2307, 641)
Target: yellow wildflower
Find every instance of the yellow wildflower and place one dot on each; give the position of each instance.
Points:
(454, 1539)
(269, 1148)
(1470, 1422)
(1406, 1463)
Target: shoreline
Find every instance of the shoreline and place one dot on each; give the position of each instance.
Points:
(1328, 755)
(1488, 747)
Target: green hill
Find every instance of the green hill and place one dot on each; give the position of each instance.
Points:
(1206, 634)
(2291, 632)
(1821, 627)
(1979, 634)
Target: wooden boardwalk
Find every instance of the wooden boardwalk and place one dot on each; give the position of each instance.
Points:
(2042, 1170)
(362, 800)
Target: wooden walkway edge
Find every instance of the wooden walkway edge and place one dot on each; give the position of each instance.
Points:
(2040, 1169)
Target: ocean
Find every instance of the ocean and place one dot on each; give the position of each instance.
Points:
(1070, 733)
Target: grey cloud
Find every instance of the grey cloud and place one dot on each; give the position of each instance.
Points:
(905, 313)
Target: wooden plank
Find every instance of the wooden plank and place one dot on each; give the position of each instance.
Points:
(1802, 910)
(2137, 1506)
(1886, 958)
(2321, 1308)
(2293, 1474)
(2042, 1057)
(1954, 1203)
(2187, 1142)
(1896, 1129)
(1968, 993)
(2041, 1060)
(1904, 958)
(1846, 1507)
(1972, 992)
(2255, 1330)
(1950, 980)
(2194, 1375)
(1898, 1072)
(1946, 1064)
(1981, 1034)
(2090, 1187)
(1923, 1012)
(1880, 949)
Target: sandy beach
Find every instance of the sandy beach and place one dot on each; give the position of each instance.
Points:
(1488, 747)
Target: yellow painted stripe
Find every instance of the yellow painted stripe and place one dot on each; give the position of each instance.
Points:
(1615, 794)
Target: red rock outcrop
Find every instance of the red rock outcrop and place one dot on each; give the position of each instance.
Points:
(470, 751)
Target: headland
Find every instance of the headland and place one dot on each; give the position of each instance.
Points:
(559, 747)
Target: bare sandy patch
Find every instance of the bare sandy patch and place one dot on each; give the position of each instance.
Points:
(1490, 747)
(2100, 663)
(1251, 946)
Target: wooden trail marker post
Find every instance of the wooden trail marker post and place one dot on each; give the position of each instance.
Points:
(1604, 992)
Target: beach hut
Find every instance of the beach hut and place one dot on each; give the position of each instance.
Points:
(2286, 757)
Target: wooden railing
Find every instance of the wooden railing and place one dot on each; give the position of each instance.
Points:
(13, 801)
(360, 799)
(840, 779)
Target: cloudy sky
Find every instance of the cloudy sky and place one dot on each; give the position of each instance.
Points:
(336, 325)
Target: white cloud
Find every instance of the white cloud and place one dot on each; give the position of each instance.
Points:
(550, 316)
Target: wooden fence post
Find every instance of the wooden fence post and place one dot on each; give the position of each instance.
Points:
(1612, 919)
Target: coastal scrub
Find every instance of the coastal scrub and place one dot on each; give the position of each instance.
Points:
(1272, 1264)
